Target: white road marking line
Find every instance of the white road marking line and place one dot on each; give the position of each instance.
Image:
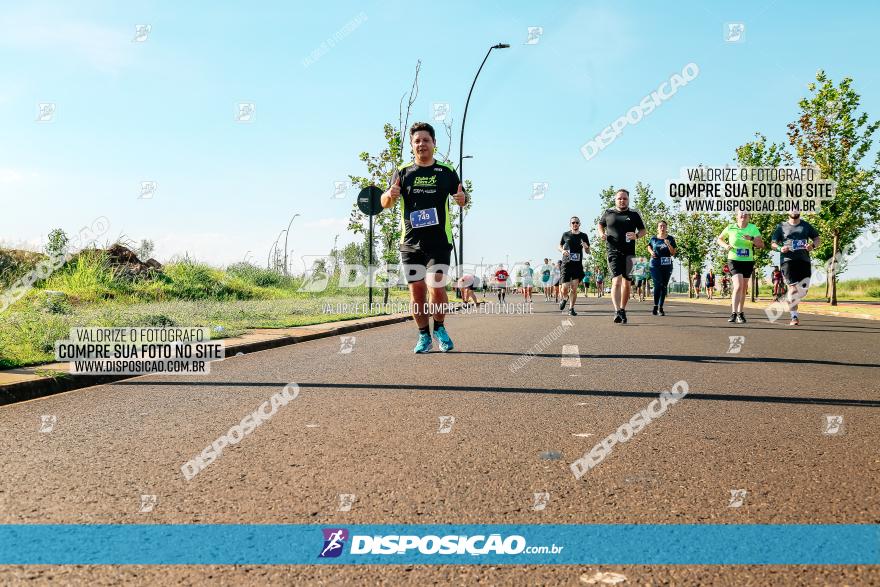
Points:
(603, 578)
(571, 356)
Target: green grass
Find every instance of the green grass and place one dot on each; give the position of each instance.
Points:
(27, 336)
(186, 293)
(865, 290)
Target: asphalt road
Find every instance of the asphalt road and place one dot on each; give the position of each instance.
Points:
(366, 423)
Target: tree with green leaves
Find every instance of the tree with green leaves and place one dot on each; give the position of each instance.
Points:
(598, 257)
(759, 153)
(833, 136)
(694, 234)
(57, 243)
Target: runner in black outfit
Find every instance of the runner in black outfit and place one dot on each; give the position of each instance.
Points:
(794, 240)
(426, 243)
(620, 227)
(573, 244)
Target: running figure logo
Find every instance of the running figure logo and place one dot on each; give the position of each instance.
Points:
(441, 112)
(832, 425)
(334, 540)
(539, 190)
(346, 344)
(734, 32)
(541, 500)
(148, 502)
(446, 423)
(737, 497)
(46, 112)
(141, 32)
(47, 423)
(340, 188)
(247, 112)
(534, 35)
(346, 500)
(736, 344)
(148, 190)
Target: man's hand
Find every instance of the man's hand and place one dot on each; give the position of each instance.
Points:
(603, 236)
(393, 193)
(653, 254)
(631, 236)
(785, 249)
(460, 196)
(809, 246)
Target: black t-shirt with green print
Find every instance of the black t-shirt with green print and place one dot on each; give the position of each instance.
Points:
(425, 217)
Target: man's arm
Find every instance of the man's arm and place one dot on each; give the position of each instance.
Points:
(776, 239)
(641, 231)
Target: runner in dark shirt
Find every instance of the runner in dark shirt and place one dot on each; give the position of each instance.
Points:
(794, 240)
(663, 249)
(425, 186)
(619, 227)
(573, 245)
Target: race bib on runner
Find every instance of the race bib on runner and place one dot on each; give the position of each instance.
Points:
(798, 245)
(574, 256)
(666, 260)
(742, 252)
(423, 218)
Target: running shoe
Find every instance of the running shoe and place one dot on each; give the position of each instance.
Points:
(562, 304)
(740, 318)
(662, 313)
(623, 316)
(794, 322)
(443, 338)
(572, 312)
(617, 317)
(733, 317)
(424, 344)
(654, 311)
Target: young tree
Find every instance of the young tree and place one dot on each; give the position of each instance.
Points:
(57, 243)
(694, 234)
(759, 153)
(599, 248)
(145, 249)
(831, 135)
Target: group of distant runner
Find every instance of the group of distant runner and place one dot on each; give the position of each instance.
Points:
(426, 186)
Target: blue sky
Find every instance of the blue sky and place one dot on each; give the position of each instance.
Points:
(164, 109)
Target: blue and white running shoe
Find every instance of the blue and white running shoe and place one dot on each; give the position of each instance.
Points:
(444, 340)
(424, 344)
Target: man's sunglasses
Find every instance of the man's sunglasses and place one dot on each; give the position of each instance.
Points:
(575, 222)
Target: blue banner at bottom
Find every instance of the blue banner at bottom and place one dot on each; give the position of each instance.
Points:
(640, 544)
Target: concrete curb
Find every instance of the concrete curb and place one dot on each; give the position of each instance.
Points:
(42, 386)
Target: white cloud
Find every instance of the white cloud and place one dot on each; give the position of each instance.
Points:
(44, 30)
(9, 175)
